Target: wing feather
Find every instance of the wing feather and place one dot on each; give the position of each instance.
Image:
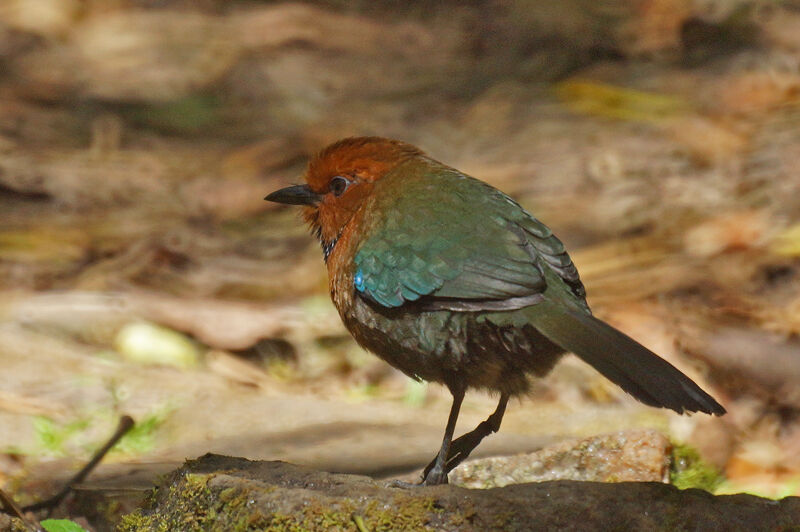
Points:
(469, 244)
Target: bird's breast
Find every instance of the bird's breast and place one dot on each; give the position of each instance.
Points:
(341, 265)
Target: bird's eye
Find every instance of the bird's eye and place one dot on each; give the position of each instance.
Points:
(339, 184)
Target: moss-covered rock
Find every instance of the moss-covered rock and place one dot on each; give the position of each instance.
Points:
(234, 494)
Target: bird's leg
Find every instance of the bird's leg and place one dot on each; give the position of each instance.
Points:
(437, 472)
(463, 445)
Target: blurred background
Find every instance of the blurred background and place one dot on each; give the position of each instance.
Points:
(141, 272)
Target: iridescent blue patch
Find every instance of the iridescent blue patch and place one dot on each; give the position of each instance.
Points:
(358, 281)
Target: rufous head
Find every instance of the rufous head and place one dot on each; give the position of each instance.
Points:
(340, 178)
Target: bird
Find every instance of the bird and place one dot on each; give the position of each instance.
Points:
(451, 281)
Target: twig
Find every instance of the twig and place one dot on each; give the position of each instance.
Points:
(13, 508)
(125, 424)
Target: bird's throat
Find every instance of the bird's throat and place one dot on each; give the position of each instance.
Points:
(326, 243)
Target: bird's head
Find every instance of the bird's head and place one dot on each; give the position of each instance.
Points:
(340, 178)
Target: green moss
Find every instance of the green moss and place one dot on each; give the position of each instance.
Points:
(360, 525)
(185, 502)
(689, 470)
(136, 521)
(405, 513)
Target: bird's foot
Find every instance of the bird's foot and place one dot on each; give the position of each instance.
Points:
(459, 450)
(436, 476)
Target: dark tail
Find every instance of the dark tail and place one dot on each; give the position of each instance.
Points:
(634, 368)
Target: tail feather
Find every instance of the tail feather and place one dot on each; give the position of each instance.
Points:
(634, 368)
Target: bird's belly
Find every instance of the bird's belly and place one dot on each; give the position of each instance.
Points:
(454, 347)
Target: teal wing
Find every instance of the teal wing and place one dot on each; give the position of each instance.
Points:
(453, 241)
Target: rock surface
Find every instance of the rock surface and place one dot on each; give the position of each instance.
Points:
(626, 456)
(223, 493)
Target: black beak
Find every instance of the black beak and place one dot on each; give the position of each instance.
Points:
(295, 195)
